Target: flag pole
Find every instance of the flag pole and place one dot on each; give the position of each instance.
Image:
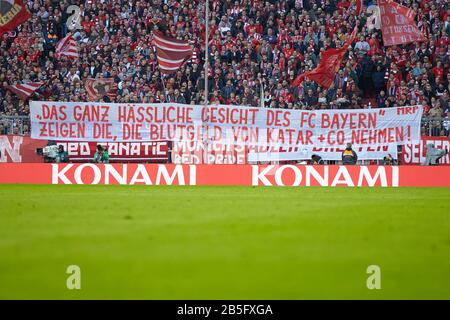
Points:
(262, 95)
(161, 75)
(205, 138)
(164, 86)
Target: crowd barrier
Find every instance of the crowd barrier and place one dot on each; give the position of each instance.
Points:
(238, 175)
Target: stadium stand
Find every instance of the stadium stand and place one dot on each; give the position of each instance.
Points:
(251, 42)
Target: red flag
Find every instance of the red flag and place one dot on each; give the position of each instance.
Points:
(171, 53)
(329, 64)
(67, 47)
(98, 88)
(358, 7)
(25, 90)
(397, 24)
(12, 14)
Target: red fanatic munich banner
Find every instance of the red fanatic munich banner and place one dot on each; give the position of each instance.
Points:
(416, 153)
(239, 175)
(156, 152)
(197, 152)
(397, 24)
(231, 125)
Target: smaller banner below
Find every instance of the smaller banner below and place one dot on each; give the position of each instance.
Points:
(416, 153)
(217, 153)
(153, 152)
(334, 154)
(23, 149)
(194, 152)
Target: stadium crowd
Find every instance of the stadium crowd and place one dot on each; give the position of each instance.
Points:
(251, 43)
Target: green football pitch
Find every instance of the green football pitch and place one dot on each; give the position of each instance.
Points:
(140, 242)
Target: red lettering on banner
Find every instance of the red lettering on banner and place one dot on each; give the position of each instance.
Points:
(288, 136)
(307, 118)
(53, 113)
(307, 140)
(331, 138)
(91, 113)
(380, 136)
(102, 131)
(279, 118)
(245, 134)
(225, 124)
(54, 130)
(132, 131)
(406, 110)
(352, 120)
(229, 115)
(153, 114)
(154, 132)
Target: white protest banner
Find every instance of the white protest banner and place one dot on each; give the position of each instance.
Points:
(216, 153)
(197, 152)
(105, 122)
(335, 154)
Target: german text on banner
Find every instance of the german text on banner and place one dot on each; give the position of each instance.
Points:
(231, 125)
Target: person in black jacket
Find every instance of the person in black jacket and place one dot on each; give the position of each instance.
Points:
(349, 156)
(378, 79)
(316, 159)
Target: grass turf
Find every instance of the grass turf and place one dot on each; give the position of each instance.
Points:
(140, 242)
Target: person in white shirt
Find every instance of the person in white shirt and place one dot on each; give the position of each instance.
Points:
(362, 45)
(446, 124)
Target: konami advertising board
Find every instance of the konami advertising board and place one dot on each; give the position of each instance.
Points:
(239, 175)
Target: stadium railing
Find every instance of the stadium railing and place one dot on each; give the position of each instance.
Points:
(15, 125)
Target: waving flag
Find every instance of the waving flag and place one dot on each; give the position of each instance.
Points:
(358, 7)
(25, 90)
(398, 25)
(329, 64)
(171, 53)
(67, 47)
(99, 88)
(12, 14)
